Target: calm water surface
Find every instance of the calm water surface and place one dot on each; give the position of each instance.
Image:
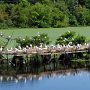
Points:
(55, 81)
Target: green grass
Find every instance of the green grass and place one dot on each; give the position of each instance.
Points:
(52, 32)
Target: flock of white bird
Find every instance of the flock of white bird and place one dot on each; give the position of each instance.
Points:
(45, 48)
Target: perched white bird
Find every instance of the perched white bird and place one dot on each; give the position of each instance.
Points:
(68, 46)
(24, 49)
(16, 49)
(9, 37)
(88, 44)
(45, 47)
(1, 34)
(58, 46)
(38, 34)
(30, 45)
(70, 43)
(78, 45)
(23, 39)
(19, 47)
(52, 47)
(1, 49)
(9, 50)
(41, 45)
(27, 47)
(85, 44)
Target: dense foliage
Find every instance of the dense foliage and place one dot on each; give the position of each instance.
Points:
(34, 41)
(65, 38)
(68, 38)
(71, 39)
(79, 39)
(44, 13)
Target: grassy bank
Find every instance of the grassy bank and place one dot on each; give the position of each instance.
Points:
(52, 32)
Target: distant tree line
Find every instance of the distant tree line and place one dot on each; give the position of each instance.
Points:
(44, 13)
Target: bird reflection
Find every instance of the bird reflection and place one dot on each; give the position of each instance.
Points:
(54, 74)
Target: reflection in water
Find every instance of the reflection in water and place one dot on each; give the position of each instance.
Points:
(70, 79)
(28, 77)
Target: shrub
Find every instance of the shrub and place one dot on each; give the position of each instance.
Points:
(79, 39)
(23, 42)
(65, 38)
(35, 40)
(41, 38)
(3, 26)
(70, 38)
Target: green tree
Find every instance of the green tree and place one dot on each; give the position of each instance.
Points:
(88, 19)
(40, 16)
(73, 20)
(81, 14)
(3, 16)
(20, 14)
(62, 6)
(59, 19)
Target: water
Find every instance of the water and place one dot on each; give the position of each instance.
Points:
(62, 80)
